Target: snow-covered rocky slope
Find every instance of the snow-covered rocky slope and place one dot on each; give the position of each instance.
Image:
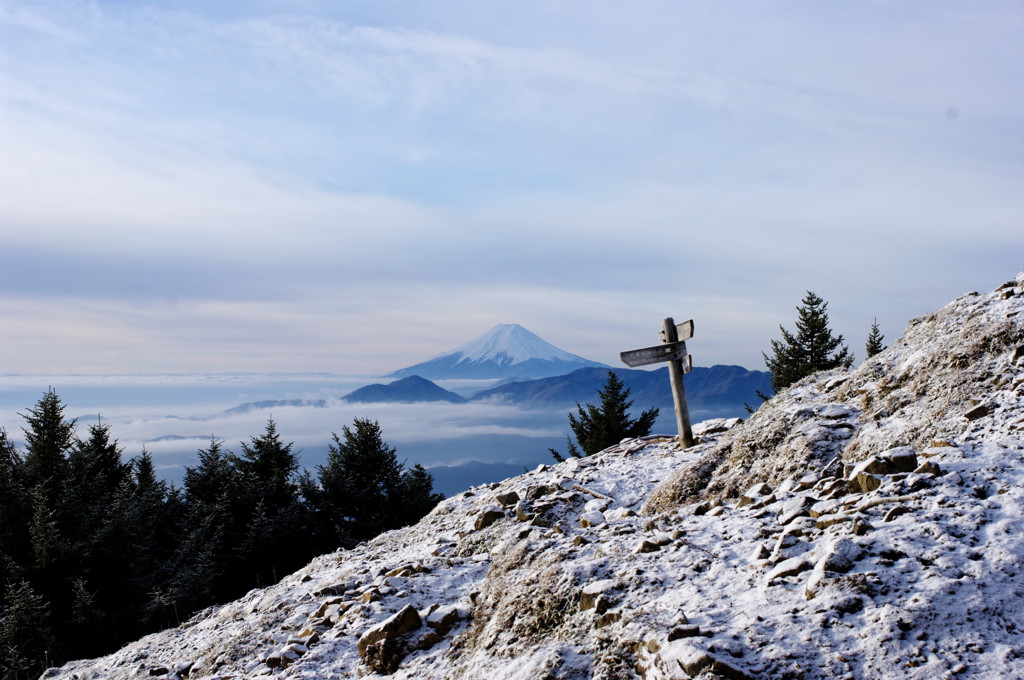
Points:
(864, 524)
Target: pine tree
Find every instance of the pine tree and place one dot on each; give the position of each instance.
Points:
(268, 468)
(417, 496)
(598, 427)
(813, 348)
(14, 503)
(25, 641)
(275, 541)
(213, 526)
(48, 438)
(360, 482)
(874, 344)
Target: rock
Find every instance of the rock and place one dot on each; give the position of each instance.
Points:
(489, 516)
(758, 490)
(902, 459)
(862, 526)
(621, 513)
(508, 498)
(607, 619)
(646, 547)
(372, 595)
(820, 508)
(522, 514)
(383, 647)
(754, 494)
(798, 506)
(694, 660)
(790, 567)
(286, 656)
(929, 468)
(840, 556)
(826, 521)
(979, 411)
(895, 512)
(807, 481)
(443, 619)
(686, 631)
(864, 482)
(761, 552)
(893, 461)
(593, 518)
(592, 592)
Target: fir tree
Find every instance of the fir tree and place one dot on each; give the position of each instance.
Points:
(813, 348)
(25, 641)
(275, 537)
(874, 344)
(268, 468)
(598, 427)
(14, 503)
(417, 496)
(48, 438)
(364, 490)
(359, 483)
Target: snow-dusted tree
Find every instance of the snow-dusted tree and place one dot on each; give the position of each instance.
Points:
(598, 427)
(874, 344)
(811, 349)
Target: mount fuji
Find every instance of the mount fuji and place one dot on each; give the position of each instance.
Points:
(505, 351)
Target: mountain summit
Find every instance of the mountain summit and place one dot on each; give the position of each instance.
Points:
(505, 351)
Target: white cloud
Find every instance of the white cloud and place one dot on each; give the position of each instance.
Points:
(298, 186)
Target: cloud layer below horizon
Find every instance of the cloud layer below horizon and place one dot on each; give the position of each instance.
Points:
(357, 187)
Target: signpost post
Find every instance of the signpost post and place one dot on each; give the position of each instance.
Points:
(673, 350)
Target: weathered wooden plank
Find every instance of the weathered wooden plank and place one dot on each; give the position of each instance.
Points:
(652, 355)
(675, 372)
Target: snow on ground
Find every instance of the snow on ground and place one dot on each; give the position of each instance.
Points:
(865, 524)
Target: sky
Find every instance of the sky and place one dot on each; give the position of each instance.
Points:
(200, 186)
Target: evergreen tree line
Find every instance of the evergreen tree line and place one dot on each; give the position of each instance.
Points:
(96, 551)
(812, 347)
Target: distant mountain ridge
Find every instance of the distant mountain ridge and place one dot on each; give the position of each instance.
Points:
(405, 391)
(505, 351)
(718, 388)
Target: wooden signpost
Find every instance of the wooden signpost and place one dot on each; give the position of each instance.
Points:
(673, 350)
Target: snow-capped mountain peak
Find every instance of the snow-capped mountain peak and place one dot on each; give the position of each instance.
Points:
(510, 343)
(505, 351)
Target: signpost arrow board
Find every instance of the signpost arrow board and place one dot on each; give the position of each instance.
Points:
(673, 350)
(653, 355)
(684, 331)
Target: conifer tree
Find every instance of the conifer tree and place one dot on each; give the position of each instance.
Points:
(874, 344)
(14, 503)
(360, 481)
(364, 490)
(275, 538)
(48, 438)
(598, 427)
(417, 496)
(268, 468)
(25, 641)
(811, 349)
